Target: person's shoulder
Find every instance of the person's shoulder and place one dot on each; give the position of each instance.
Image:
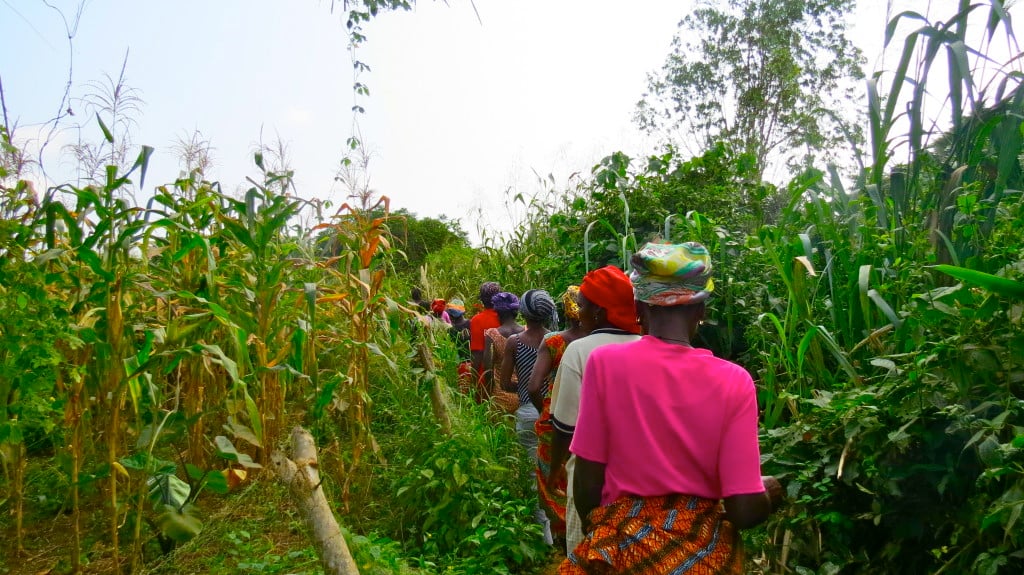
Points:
(730, 372)
(576, 346)
(619, 347)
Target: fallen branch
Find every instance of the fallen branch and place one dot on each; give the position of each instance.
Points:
(302, 477)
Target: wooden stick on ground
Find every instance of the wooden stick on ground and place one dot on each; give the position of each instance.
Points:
(302, 476)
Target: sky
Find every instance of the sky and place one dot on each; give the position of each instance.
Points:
(462, 112)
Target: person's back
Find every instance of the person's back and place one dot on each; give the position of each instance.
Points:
(677, 420)
(459, 332)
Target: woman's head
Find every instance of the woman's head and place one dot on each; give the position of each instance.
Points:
(506, 304)
(672, 274)
(606, 299)
(672, 280)
(456, 309)
(536, 306)
(571, 303)
(437, 306)
(487, 291)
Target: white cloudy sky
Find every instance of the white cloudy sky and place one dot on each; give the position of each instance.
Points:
(460, 110)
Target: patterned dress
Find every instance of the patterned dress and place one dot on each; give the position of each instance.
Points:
(505, 400)
(552, 503)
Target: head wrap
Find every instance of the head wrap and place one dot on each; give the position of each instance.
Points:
(537, 305)
(672, 274)
(456, 308)
(609, 288)
(570, 303)
(487, 291)
(504, 301)
(437, 306)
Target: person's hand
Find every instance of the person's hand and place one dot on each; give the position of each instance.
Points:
(555, 479)
(776, 495)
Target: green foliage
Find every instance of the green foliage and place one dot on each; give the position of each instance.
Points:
(465, 502)
(918, 466)
(778, 93)
(417, 238)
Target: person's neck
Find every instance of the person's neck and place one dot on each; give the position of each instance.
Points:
(671, 330)
(682, 341)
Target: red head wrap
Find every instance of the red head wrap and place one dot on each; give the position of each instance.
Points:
(610, 289)
(437, 306)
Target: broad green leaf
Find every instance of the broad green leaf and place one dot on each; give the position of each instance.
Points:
(167, 489)
(179, 526)
(226, 450)
(995, 284)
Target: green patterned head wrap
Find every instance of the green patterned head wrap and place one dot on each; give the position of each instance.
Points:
(672, 274)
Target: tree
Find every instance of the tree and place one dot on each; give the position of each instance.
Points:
(418, 237)
(767, 77)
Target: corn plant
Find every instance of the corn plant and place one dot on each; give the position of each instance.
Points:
(354, 289)
(258, 303)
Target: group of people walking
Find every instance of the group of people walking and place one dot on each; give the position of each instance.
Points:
(646, 451)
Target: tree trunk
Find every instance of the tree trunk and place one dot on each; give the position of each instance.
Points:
(302, 476)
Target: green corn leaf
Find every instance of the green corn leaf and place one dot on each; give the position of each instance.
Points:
(805, 344)
(254, 417)
(996, 16)
(995, 284)
(91, 259)
(890, 28)
(107, 135)
(949, 247)
(838, 353)
(885, 307)
(142, 163)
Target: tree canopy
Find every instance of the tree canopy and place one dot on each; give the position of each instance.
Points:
(768, 77)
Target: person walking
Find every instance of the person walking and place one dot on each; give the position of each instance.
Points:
(537, 309)
(666, 432)
(506, 306)
(607, 311)
(481, 322)
(548, 359)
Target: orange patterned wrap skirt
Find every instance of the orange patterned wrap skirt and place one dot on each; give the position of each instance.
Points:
(674, 534)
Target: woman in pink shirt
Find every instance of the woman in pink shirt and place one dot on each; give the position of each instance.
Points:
(666, 433)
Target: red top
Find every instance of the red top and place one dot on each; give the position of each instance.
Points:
(480, 322)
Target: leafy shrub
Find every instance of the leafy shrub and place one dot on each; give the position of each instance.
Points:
(922, 469)
(465, 501)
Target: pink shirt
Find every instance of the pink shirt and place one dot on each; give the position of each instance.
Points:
(667, 419)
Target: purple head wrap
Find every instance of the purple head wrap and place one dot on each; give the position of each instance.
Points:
(505, 301)
(487, 291)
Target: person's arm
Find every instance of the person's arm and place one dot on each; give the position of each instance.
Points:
(508, 363)
(587, 484)
(564, 413)
(541, 371)
(749, 496)
(488, 364)
(750, 510)
(560, 442)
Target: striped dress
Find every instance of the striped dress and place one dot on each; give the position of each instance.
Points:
(526, 357)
